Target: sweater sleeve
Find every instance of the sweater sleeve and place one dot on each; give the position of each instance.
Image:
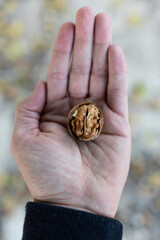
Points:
(49, 222)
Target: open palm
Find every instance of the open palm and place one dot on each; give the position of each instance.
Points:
(57, 168)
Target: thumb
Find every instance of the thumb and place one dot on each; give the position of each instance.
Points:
(28, 112)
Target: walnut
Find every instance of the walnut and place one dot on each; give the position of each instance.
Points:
(85, 121)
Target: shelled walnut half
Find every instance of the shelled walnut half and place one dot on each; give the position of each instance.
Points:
(85, 121)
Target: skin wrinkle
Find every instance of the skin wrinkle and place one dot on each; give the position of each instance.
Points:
(36, 117)
(61, 52)
(80, 69)
(99, 73)
(118, 91)
(118, 74)
(100, 171)
(114, 151)
(88, 162)
(24, 109)
(60, 76)
(122, 115)
(81, 40)
(83, 167)
(65, 56)
(51, 121)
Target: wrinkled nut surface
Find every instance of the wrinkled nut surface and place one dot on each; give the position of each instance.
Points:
(85, 121)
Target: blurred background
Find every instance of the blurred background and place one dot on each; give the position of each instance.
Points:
(27, 32)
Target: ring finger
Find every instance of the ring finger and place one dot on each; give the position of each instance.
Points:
(102, 41)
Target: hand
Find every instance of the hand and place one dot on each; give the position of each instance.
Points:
(57, 168)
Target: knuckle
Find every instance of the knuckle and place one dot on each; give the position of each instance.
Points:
(78, 93)
(19, 140)
(16, 139)
(80, 69)
(99, 72)
(59, 76)
(120, 75)
(22, 108)
(19, 107)
(119, 92)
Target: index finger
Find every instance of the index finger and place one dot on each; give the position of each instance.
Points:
(59, 64)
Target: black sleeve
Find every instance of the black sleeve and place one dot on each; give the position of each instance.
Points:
(50, 222)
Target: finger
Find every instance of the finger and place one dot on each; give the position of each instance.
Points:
(117, 96)
(102, 41)
(28, 112)
(82, 53)
(58, 68)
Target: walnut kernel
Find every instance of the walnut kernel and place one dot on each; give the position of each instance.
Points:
(85, 121)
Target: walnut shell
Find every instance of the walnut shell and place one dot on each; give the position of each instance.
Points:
(85, 121)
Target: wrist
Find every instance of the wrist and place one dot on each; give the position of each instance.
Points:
(64, 205)
(109, 214)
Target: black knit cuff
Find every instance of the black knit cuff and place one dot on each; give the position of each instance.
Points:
(46, 222)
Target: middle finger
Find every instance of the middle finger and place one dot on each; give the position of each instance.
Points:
(82, 53)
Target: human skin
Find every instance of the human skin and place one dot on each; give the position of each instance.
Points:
(57, 168)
